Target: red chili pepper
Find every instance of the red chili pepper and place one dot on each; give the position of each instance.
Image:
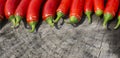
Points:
(33, 13)
(21, 11)
(110, 10)
(63, 9)
(118, 23)
(49, 11)
(2, 4)
(98, 7)
(88, 9)
(76, 11)
(10, 8)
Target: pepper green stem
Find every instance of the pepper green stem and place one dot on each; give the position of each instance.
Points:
(49, 20)
(107, 17)
(18, 19)
(12, 19)
(99, 12)
(32, 25)
(59, 15)
(88, 13)
(118, 23)
(73, 20)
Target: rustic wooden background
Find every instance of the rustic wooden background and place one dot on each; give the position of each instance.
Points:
(84, 41)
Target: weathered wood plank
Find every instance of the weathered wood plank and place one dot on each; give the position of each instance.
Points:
(83, 41)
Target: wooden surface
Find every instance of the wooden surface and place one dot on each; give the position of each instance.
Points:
(83, 41)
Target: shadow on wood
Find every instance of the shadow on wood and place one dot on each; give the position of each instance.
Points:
(114, 42)
(81, 21)
(3, 23)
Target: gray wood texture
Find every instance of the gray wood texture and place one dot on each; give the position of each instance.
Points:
(83, 41)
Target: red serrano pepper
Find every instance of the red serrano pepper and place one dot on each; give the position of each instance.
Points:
(118, 23)
(110, 10)
(76, 11)
(99, 7)
(2, 4)
(88, 8)
(49, 11)
(21, 11)
(63, 9)
(10, 8)
(33, 13)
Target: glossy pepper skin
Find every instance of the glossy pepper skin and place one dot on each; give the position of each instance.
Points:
(76, 11)
(49, 11)
(33, 13)
(110, 11)
(98, 7)
(88, 9)
(2, 4)
(10, 7)
(63, 9)
(118, 23)
(21, 11)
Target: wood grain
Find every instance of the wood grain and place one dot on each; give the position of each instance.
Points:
(83, 41)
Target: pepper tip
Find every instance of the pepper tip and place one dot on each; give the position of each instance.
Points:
(88, 13)
(118, 23)
(107, 17)
(18, 19)
(73, 20)
(33, 25)
(59, 15)
(12, 19)
(49, 20)
(104, 24)
(99, 12)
